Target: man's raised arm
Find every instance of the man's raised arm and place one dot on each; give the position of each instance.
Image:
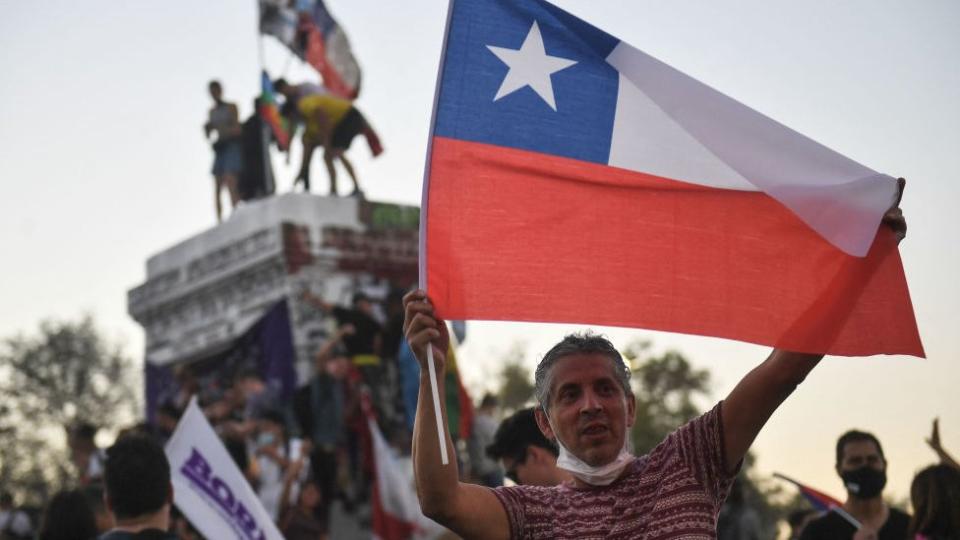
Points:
(469, 510)
(760, 392)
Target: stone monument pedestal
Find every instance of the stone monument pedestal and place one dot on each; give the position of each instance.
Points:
(203, 293)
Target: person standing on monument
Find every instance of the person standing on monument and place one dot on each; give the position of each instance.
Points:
(331, 123)
(224, 120)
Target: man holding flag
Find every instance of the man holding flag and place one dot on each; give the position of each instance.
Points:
(587, 407)
(573, 178)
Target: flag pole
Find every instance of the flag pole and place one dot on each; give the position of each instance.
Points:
(846, 515)
(438, 412)
(422, 263)
(260, 37)
(838, 509)
(286, 64)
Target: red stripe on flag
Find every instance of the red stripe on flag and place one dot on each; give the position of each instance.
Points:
(316, 55)
(386, 526)
(516, 235)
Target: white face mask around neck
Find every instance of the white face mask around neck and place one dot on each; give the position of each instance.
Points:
(602, 475)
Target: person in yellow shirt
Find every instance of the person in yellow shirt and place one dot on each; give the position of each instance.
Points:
(332, 123)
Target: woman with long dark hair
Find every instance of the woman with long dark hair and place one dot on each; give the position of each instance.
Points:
(935, 494)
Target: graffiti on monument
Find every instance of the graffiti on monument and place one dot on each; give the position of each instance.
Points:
(386, 248)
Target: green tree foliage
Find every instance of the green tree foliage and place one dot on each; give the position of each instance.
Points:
(66, 373)
(666, 388)
(516, 382)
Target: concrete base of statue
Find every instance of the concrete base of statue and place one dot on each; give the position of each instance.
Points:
(201, 294)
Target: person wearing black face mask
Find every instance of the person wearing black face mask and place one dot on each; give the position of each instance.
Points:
(863, 469)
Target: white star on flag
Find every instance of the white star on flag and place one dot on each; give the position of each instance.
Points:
(530, 66)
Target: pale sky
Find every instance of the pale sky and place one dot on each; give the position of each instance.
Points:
(104, 164)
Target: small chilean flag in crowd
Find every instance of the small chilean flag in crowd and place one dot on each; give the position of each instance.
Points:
(573, 178)
(819, 500)
(395, 510)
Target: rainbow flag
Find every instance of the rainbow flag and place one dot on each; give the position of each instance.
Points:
(270, 112)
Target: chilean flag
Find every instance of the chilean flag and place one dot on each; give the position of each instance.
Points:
(819, 500)
(573, 178)
(325, 46)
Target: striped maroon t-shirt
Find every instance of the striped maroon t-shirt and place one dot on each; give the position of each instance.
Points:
(673, 492)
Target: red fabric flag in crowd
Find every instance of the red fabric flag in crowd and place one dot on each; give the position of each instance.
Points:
(395, 509)
(818, 499)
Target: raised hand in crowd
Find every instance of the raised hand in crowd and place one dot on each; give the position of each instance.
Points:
(937, 446)
(423, 329)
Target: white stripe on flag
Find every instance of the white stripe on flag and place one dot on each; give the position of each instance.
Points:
(837, 197)
(646, 140)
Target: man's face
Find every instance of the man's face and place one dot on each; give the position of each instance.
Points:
(537, 467)
(588, 410)
(215, 91)
(856, 454)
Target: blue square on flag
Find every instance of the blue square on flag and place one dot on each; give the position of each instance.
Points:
(528, 76)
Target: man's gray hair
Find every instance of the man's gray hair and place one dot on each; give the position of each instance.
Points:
(579, 343)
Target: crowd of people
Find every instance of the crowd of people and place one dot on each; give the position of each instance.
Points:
(299, 461)
(561, 469)
(241, 164)
(124, 490)
(303, 453)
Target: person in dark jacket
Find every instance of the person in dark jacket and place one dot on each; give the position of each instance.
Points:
(138, 490)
